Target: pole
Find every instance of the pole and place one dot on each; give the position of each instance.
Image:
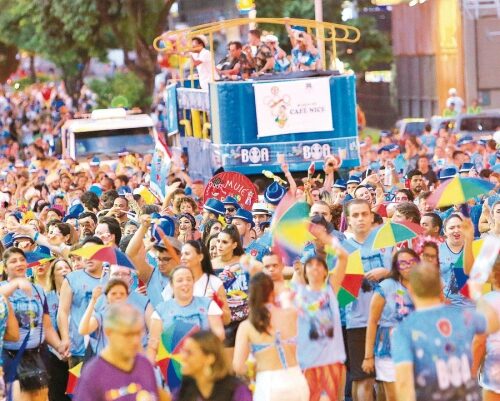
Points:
(318, 16)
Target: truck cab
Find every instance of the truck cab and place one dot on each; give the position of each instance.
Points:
(106, 133)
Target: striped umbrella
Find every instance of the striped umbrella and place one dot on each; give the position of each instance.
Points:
(392, 233)
(458, 190)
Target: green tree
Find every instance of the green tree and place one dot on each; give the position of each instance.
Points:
(371, 51)
(127, 85)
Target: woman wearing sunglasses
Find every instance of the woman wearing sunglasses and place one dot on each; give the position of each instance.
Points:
(390, 304)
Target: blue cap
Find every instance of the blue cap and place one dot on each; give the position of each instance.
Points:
(73, 212)
(466, 167)
(230, 201)
(340, 183)
(274, 193)
(123, 152)
(465, 140)
(8, 240)
(215, 206)
(95, 161)
(383, 149)
(385, 133)
(97, 190)
(353, 179)
(482, 142)
(448, 172)
(167, 225)
(244, 215)
(124, 189)
(393, 147)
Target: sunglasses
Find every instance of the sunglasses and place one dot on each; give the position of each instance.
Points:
(230, 209)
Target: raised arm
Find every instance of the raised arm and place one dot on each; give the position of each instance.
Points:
(136, 252)
(89, 323)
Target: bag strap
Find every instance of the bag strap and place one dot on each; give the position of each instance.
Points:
(41, 301)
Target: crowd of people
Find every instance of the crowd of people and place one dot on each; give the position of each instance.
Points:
(261, 55)
(206, 289)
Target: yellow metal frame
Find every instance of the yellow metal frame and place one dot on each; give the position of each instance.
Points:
(326, 32)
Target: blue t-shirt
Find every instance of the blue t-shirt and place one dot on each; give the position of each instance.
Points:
(448, 260)
(430, 142)
(82, 284)
(319, 340)
(398, 305)
(4, 314)
(194, 314)
(490, 373)
(357, 312)
(155, 286)
(29, 314)
(437, 341)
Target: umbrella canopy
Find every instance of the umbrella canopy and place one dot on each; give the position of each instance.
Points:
(392, 233)
(292, 229)
(459, 190)
(168, 358)
(105, 253)
(37, 258)
(353, 279)
(73, 376)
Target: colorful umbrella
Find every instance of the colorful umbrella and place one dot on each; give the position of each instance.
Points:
(168, 358)
(353, 279)
(392, 233)
(292, 229)
(37, 258)
(458, 190)
(105, 253)
(73, 376)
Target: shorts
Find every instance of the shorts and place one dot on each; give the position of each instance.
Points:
(324, 380)
(356, 350)
(385, 370)
(230, 331)
(280, 385)
(31, 371)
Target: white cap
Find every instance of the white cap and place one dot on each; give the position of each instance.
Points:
(452, 92)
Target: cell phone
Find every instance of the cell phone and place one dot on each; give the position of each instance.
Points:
(368, 172)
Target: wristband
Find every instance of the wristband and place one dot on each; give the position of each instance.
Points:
(35, 237)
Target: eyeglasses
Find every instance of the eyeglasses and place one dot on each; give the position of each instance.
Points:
(405, 264)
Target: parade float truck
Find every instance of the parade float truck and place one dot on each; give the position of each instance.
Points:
(252, 125)
(106, 133)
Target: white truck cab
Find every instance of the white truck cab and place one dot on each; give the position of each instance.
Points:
(106, 133)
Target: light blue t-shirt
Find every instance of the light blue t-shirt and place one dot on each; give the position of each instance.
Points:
(448, 260)
(4, 314)
(29, 314)
(319, 338)
(193, 315)
(490, 373)
(155, 286)
(82, 284)
(398, 305)
(430, 142)
(437, 341)
(357, 312)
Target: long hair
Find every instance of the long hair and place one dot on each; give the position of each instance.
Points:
(232, 231)
(206, 263)
(210, 344)
(52, 268)
(395, 274)
(207, 228)
(261, 288)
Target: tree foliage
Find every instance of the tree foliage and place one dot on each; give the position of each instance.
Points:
(373, 50)
(121, 84)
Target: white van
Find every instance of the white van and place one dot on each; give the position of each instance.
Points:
(106, 133)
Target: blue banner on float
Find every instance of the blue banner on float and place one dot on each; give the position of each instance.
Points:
(253, 158)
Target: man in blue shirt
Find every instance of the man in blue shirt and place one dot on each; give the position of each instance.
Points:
(376, 265)
(432, 347)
